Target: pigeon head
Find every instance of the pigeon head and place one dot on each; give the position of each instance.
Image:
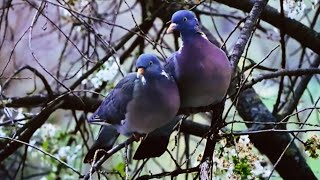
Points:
(185, 22)
(148, 63)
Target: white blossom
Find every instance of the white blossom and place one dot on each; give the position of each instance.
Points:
(78, 29)
(85, 81)
(267, 171)
(46, 130)
(96, 82)
(49, 129)
(307, 153)
(68, 153)
(225, 160)
(293, 8)
(107, 72)
(229, 172)
(244, 139)
(258, 169)
(63, 152)
(233, 152)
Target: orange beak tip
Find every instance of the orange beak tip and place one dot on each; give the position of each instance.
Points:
(171, 28)
(140, 71)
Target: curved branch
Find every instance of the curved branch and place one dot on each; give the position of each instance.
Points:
(298, 31)
(37, 73)
(293, 102)
(171, 174)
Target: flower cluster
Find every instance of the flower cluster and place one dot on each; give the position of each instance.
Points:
(107, 72)
(67, 153)
(312, 146)
(55, 141)
(239, 161)
(44, 137)
(46, 131)
(293, 8)
(51, 139)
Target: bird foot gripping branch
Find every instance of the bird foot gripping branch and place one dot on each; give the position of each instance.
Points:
(137, 137)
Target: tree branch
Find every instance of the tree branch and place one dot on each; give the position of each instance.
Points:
(293, 102)
(245, 33)
(298, 31)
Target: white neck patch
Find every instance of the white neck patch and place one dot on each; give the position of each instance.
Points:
(204, 36)
(163, 73)
(143, 80)
(180, 49)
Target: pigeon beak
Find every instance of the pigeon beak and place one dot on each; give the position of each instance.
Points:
(171, 28)
(140, 71)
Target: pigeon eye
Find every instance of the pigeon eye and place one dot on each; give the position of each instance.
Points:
(150, 63)
(185, 19)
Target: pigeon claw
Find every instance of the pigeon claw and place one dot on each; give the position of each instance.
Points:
(137, 137)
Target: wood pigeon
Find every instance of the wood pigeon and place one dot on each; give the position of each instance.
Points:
(140, 103)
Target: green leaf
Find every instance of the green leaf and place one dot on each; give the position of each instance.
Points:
(45, 145)
(241, 167)
(121, 168)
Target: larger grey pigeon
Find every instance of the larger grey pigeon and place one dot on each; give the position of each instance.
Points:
(140, 103)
